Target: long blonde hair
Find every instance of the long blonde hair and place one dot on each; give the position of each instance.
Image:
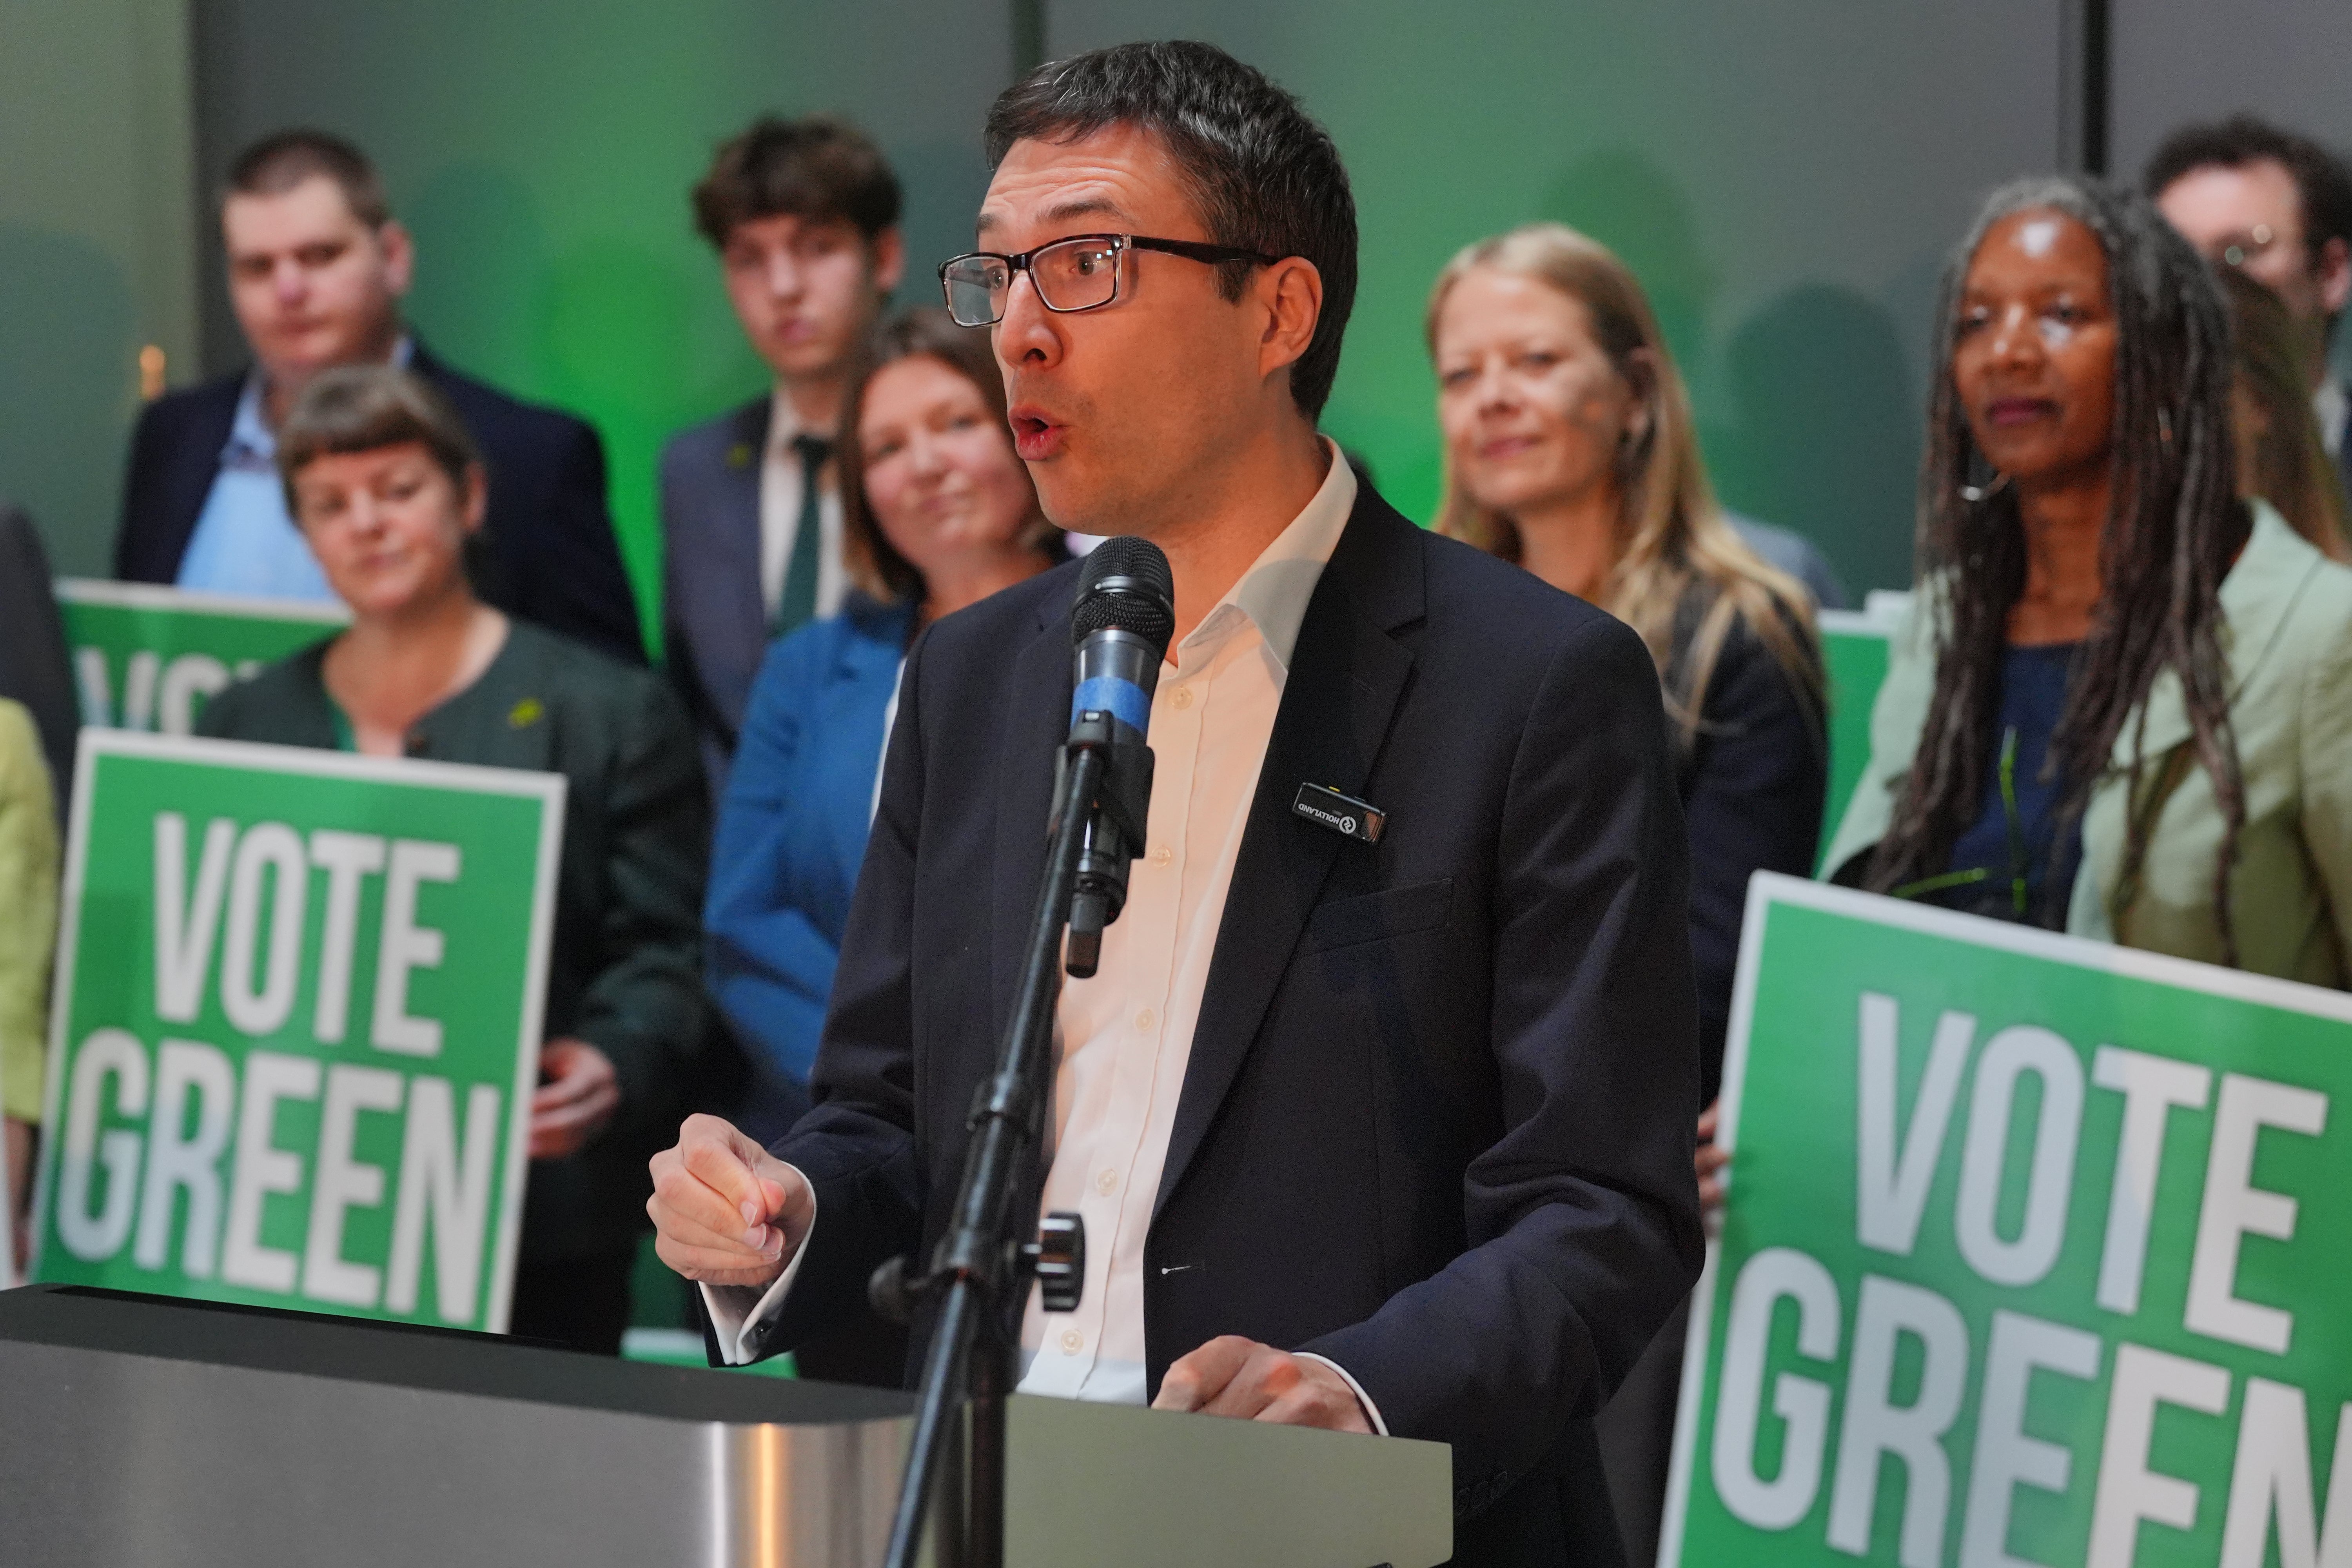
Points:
(2285, 461)
(1673, 535)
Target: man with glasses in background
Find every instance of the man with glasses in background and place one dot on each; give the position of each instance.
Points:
(2278, 207)
(1372, 1131)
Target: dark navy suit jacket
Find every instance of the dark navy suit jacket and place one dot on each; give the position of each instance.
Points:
(791, 831)
(714, 625)
(1754, 779)
(1436, 1121)
(548, 555)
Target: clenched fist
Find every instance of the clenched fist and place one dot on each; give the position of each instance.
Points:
(725, 1211)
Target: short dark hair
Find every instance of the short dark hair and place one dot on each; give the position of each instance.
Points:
(1265, 177)
(2320, 177)
(820, 167)
(284, 159)
(365, 408)
(875, 566)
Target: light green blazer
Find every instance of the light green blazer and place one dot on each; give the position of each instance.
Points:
(2288, 634)
(28, 913)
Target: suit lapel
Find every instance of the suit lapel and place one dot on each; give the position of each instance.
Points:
(1346, 676)
(733, 583)
(869, 657)
(191, 470)
(1036, 717)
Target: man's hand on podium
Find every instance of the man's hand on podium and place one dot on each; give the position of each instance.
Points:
(725, 1211)
(1233, 1376)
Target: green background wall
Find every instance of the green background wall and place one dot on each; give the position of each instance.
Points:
(1784, 177)
(98, 246)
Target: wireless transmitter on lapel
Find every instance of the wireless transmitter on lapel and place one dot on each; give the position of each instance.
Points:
(1340, 813)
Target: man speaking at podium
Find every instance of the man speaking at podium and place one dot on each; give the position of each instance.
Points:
(1384, 1136)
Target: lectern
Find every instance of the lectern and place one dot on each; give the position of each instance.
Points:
(135, 1429)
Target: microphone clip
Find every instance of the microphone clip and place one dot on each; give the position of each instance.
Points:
(1114, 833)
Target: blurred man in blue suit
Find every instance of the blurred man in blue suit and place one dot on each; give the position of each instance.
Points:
(803, 214)
(317, 268)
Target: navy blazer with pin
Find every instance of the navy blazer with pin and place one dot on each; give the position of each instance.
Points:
(714, 622)
(1436, 1121)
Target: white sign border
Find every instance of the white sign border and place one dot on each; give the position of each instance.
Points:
(102, 593)
(551, 791)
(1767, 889)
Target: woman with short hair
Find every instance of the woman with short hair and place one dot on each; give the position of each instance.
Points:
(388, 490)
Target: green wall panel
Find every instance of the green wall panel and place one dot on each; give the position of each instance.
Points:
(96, 248)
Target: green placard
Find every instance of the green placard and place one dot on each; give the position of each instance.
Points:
(1853, 651)
(296, 1027)
(2036, 1253)
(146, 658)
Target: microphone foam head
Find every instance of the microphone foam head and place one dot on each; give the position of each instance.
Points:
(1124, 584)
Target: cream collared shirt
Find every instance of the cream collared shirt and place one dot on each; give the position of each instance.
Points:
(2330, 407)
(780, 515)
(1124, 1038)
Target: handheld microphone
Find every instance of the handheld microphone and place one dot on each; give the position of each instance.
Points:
(1124, 614)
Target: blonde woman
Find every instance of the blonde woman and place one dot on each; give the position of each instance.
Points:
(2280, 457)
(1570, 449)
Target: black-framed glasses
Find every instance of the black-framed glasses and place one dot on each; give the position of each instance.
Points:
(1080, 273)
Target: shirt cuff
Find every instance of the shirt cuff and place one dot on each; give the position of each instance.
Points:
(1371, 1411)
(741, 1315)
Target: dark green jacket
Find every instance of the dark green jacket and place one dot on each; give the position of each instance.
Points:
(624, 972)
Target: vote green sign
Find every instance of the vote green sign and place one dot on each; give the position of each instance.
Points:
(146, 658)
(296, 1027)
(2036, 1252)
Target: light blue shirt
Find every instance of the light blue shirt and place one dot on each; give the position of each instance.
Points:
(246, 542)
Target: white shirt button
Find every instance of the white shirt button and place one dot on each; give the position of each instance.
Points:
(1181, 697)
(1073, 1342)
(1162, 855)
(1143, 1020)
(1107, 1183)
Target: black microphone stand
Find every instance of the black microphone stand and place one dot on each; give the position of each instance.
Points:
(980, 1269)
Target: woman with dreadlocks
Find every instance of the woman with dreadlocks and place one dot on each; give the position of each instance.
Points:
(2123, 706)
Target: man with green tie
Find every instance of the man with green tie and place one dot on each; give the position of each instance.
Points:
(803, 214)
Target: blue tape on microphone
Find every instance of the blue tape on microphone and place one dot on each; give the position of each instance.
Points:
(1122, 700)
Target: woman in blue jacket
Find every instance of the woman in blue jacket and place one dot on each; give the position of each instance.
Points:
(937, 512)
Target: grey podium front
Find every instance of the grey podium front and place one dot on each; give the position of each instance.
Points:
(139, 1430)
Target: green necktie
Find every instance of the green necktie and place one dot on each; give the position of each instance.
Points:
(797, 603)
